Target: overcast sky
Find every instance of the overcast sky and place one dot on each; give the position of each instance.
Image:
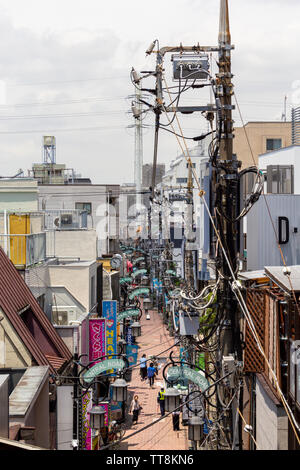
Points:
(70, 60)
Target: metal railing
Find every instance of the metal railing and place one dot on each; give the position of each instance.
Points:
(24, 250)
(65, 219)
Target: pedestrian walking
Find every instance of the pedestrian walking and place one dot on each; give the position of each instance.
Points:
(135, 408)
(143, 367)
(151, 371)
(161, 400)
(155, 363)
(175, 419)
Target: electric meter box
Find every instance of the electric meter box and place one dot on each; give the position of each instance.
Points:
(188, 324)
(190, 67)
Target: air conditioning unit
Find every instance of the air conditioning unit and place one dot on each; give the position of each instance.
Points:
(66, 219)
(63, 315)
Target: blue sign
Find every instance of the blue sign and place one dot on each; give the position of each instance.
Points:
(132, 354)
(129, 338)
(157, 285)
(109, 312)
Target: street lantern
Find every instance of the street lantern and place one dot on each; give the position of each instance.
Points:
(172, 399)
(144, 281)
(147, 304)
(119, 388)
(196, 425)
(136, 329)
(97, 414)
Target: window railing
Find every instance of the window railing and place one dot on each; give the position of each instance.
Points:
(24, 250)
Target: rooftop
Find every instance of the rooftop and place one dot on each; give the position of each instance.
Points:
(27, 391)
(275, 273)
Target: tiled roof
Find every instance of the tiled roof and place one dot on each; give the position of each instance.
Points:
(15, 295)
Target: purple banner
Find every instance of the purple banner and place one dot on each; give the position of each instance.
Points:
(97, 335)
(87, 404)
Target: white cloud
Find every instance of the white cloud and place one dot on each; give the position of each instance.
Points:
(83, 51)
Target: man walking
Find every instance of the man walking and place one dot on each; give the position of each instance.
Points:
(151, 371)
(143, 367)
(161, 401)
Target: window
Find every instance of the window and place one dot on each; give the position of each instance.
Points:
(280, 179)
(193, 165)
(84, 206)
(181, 180)
(273, 144)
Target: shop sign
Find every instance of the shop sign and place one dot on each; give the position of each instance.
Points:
(96, 338)
(176, 373)
(127, 313)
(104, 366)
(139, 291)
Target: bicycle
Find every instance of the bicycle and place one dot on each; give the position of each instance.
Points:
(116, 433)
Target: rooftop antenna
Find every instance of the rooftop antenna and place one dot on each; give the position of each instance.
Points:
(283, 116)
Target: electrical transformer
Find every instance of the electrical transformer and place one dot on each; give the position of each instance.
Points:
(190, 66)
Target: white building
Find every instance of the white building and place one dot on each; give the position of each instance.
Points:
(18, 194)
(282, 169)
(101, 202)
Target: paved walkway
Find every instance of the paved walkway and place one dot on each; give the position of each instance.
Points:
(155, 339)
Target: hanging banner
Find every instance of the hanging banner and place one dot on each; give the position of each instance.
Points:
(128, 313)
(175, 373)
(132, 353)
(97, 333)
(139, 291)
(109, 312)
(87, 404)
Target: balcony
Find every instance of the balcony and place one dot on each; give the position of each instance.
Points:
(66, 219)
(24, 250)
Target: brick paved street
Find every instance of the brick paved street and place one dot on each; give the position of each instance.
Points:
(155, 338)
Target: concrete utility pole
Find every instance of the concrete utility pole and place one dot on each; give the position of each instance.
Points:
(138, 148)
(227, 184)
(189, 262)
(226, 192)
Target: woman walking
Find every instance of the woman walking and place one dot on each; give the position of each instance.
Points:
(135, 407)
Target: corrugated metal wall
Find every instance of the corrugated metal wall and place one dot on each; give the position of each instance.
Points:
(262, 248)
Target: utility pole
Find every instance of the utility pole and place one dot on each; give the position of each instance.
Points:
(138, 150)
(189, 263)
(157, 110)
(226, 192)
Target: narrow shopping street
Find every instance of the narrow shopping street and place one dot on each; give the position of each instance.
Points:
(155, 339)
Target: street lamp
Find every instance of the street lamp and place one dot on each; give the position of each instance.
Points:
(136, 329)
(172, 399)
(147, 305)
(97, 414)
(144, 281)
(119, 388)
(196, 425)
